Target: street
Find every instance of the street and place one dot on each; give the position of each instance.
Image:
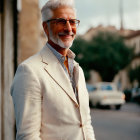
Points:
(117, 125)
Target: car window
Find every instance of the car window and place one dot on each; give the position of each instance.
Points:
(106, 87)
(91, 88)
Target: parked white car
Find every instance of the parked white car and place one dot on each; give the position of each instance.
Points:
(106, 94)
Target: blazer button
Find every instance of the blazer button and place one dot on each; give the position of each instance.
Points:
(81, 125)
(76, 105)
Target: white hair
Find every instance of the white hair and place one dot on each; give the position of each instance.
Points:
(47, 10)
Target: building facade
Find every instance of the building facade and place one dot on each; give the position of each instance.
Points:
(21, 36)
(7, 41)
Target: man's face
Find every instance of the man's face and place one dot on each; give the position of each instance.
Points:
(62, 35)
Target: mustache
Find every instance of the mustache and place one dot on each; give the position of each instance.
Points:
(66, 33)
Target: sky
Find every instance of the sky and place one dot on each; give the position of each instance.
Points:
(92, 13)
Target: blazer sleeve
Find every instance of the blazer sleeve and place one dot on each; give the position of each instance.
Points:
(89, 128)
(26, 96)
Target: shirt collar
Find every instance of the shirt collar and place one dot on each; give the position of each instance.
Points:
(70, 54)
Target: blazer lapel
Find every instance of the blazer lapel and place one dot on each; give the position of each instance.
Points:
(76, 73)
(54, 69)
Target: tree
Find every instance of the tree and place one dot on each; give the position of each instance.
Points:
(105, 53)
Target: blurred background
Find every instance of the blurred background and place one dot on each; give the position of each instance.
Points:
(107, 47)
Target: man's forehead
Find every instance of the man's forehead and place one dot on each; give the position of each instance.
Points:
(64, 11)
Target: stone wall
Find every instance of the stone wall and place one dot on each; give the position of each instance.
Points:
(29, 29)
(30, 40)
(0, 74)
(7, 123)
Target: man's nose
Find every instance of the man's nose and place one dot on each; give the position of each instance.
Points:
(68, 26)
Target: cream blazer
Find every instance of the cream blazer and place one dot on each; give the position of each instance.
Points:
(45, 105)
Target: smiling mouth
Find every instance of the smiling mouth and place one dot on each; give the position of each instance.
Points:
(66, 35)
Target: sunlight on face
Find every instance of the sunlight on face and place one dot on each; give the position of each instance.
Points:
(62, 35)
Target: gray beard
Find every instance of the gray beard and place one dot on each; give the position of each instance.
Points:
(58, 41)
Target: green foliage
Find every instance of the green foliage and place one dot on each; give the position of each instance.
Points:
(134, 74)
(105, 53)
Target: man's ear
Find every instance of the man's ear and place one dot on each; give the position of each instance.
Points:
(45, 27)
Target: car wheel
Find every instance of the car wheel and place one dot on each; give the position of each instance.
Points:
(105, 107)
(118, 107)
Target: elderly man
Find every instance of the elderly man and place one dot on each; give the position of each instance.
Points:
(49, 91)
